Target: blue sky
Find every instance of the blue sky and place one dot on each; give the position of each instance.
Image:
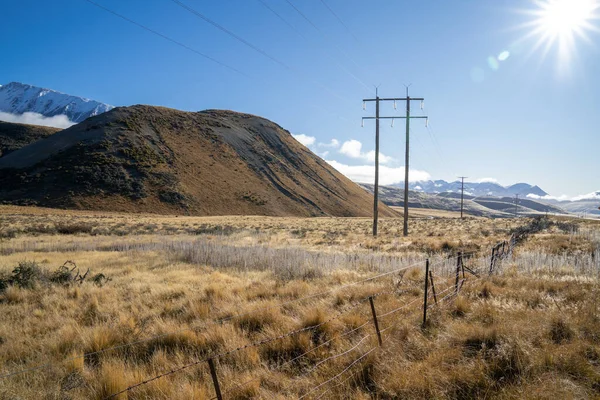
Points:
(532, 118)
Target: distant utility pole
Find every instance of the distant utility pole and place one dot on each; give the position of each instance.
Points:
(408, 117)
(462, 194)
(516, 205)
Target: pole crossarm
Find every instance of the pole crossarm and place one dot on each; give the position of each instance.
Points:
(411, 117)
(397, 99)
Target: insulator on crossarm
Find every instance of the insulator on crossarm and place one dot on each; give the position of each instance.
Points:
(362, 123)
(422, 104)
(364, 105)
(395, 105)
(392, 122)
(426, 122)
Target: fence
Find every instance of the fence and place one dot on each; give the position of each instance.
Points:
(439, 287)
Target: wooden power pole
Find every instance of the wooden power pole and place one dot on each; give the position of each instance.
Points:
(377, 117)
(462, 194)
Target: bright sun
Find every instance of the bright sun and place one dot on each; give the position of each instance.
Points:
(561, 23)
(566, 17)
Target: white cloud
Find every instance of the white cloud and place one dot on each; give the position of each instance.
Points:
(387, 175)
(58, 121)
(548, 197)
(353, 149)
(305, 139)
(334, 144)
(590, 196)
(487, 180)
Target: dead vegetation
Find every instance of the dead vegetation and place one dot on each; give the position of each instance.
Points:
(529, 331)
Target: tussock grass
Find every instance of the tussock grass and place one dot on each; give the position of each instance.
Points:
(536, 321)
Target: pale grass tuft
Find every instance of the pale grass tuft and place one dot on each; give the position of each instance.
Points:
(112, 378)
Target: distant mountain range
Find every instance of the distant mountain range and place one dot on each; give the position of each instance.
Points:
(18, 98)
(485, 206)
(476, 189)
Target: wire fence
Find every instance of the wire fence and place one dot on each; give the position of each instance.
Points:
(443, 281)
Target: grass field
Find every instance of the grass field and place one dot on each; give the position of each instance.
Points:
(169, 291)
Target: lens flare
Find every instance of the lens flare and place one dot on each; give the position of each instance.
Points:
(560, 24)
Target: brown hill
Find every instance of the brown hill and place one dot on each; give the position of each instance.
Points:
(154, 159)
(14, 136)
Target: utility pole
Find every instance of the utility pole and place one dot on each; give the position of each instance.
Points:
(516, 205)
(377, 117)
(462, 194)
(376, 186)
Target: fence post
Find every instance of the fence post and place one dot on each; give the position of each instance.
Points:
(427, 272)
(458, 265)
(215, 379)
(375, 321)
(492, 260)
(432, 286)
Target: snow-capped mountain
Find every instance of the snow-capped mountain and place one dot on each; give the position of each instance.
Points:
(19, 98)
(477, 188)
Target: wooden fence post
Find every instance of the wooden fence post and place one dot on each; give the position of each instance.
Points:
(458, 265)
(215, 379)
(492, 260)
(375, 321)
(425, 295)
(432, 286)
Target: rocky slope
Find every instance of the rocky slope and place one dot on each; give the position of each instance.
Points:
(154, 159)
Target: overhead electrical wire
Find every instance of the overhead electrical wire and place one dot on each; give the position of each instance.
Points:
(178, 43)
(339, 19)
(354, 76)
(256, 48)
(327, 37)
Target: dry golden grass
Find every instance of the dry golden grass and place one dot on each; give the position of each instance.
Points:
(532, 331)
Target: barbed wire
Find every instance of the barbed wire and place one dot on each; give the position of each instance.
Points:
(207, 325)
(301, 355)
(240, 348)
(340, 374)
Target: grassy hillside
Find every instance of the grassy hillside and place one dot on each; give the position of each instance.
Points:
(14, 136)
(154, 159)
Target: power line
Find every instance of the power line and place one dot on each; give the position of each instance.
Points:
(360, 81)
(230, 33)
(256, 48)
(168, 38)
(325, 36)
(339, 19)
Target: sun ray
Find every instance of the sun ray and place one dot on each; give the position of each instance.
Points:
(558, 25)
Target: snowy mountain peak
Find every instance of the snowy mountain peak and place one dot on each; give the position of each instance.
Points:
(477, 188)
(18, 98)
